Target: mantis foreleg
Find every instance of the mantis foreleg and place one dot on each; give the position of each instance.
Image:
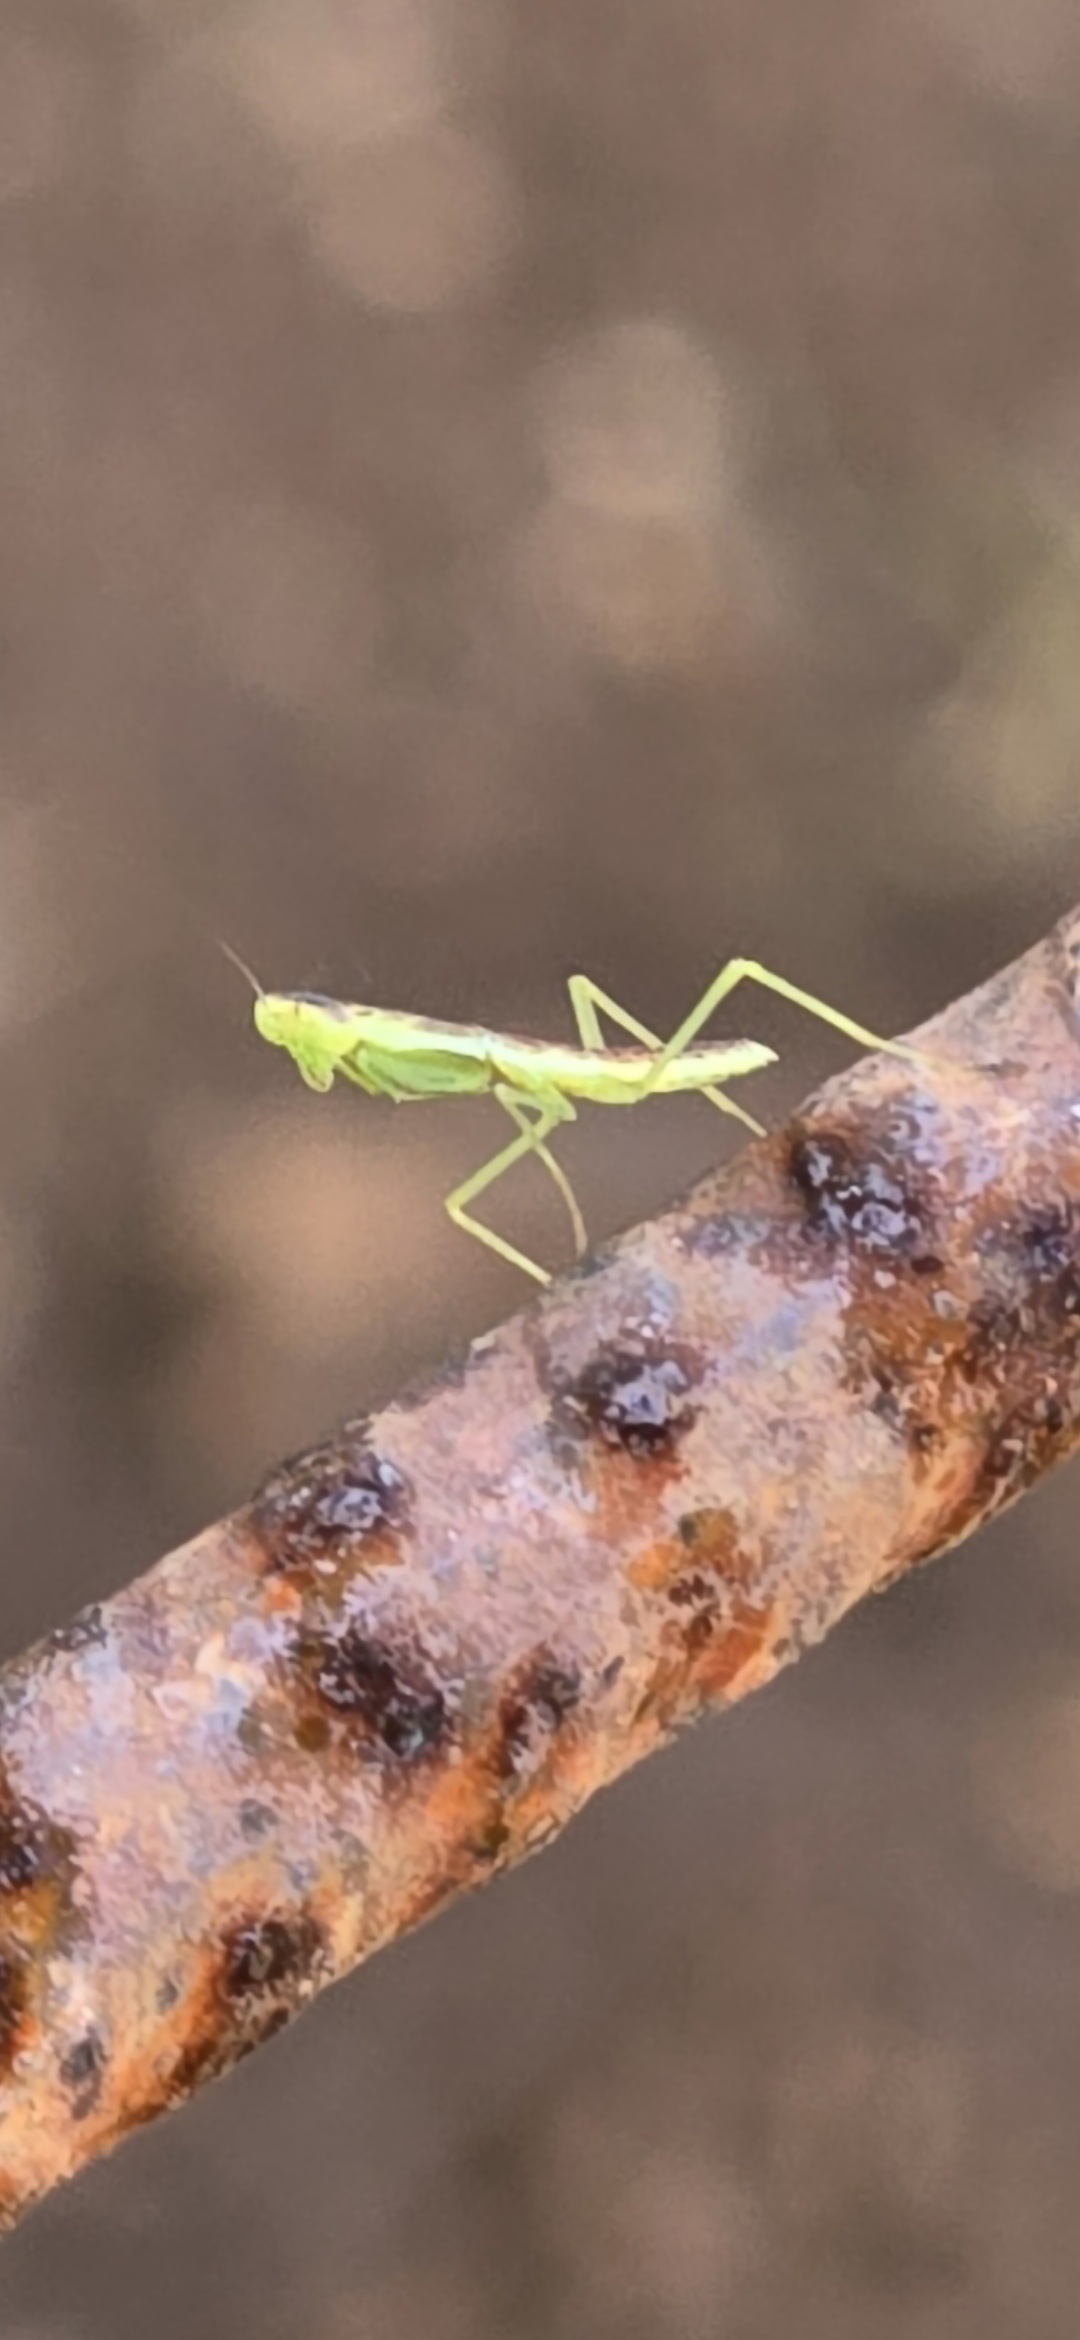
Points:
(549, 1110)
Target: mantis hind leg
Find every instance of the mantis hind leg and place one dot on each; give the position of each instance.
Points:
(535, 1118)
(588, 1002)
(749, 971)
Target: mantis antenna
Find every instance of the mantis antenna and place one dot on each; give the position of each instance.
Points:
(245, 970)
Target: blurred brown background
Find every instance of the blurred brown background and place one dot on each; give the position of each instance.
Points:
(488, 489)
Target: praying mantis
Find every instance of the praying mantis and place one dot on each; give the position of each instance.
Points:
(390, 1053)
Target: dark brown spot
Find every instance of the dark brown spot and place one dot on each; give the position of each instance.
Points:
(897, 1389)
(1050, 1243)
(900, 1359)
(691, 1591)
(723, 1650)
(81, 2071)
(491, 1842)
(266, 1967)
(1006, 1363)
(712, 1539)
(1031, 1289)
(700, 1628)
(271, 1954)
(857, 1192)
(375, 1691)
(324, 1508)
(22, 1850)
(1024, 1348)
(635, 1399)
(269, 1966)
(715, 1640)
(313, 1733)
(533, 1710)
(866, 1202)
(261, 2025)
(256, 1819)
(205, 2057)
(14, 2002)
(37, 1855)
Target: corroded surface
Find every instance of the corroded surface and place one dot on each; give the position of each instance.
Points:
(429, 1640)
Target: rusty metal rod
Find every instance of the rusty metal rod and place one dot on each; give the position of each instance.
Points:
(425, 1643)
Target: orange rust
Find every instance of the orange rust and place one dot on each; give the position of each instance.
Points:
(12, 2204)
(721, 1657)
(282, 1598)
(657, 1566)
(713, 1539)
(18, 2024)
(427, 1642)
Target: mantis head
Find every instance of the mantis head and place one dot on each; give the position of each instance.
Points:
(305, 1023)
(310, 1027)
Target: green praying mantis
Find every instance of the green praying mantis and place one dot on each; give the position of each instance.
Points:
(389, 1053)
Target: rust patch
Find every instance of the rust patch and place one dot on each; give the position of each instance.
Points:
(81, 2070)
(717, 1629)
(14, 2005)
(719, 1652)
(654, 1569)
(536, 1703)
(38, 1867)
(868, 1201)
(707, 1540)
(339, 1508)
(858, 1191)
(87, 1630)
(23, 1853)
(898, 1354)
(271, 1955)
(491, 1843)
(378, 1695)
(208, 2055)
(711, 1642)
(634, 1397)
(266, 1965)
(256, 1820)
(691, 1590)
(1023, 1350)
(1031, 1268)
(712, 1539)
(994, 1346)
